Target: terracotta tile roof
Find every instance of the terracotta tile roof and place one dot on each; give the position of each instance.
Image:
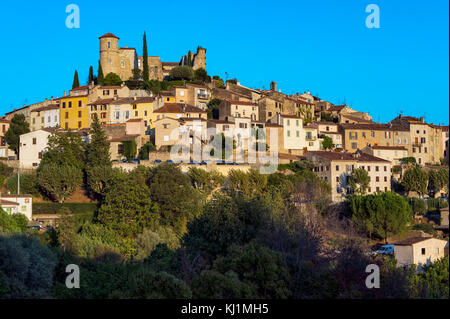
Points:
(170, 63)
(186, 119)
(167, 93)
(110, 87)
(135, 120)
(109, 35)
(178, 108)
(241, 102)
(46, 108)
(102, 102)
(291, 116)
(411, 241)
(373, 126)
(71, 97)
(123, 138)
(336, 108)
(127, 49)
(398, 148)
(7, 202)
(14, 196)
(356, 118)
(4, 121)
(131, 100)
(361, 157)
(81, 88)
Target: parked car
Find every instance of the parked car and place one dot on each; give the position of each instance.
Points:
(386, 250)
(115, 161)
(136, 161)
(124, 160)
(157, 161)
(169, 161)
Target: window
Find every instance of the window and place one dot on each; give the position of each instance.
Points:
(269, 113)
(353, 135)
(79, 113)
(122, 64)
(64, 105)
(377, 168)
(40, 155)
(67, 115)
(166, 138)
(145, 113)
(79, 104)
(297, 133)
(109, 45)
(288, 122)
(423, 251)
(23, 208)
(120, 149)
(70, 104)
(297, 123)
(363, 134)
(79, 124)
(354, 145)
(337, 167)
(385, 178)
(377, 179)
(115, 92)
(136, 113)
(337, 179)
(368, 168)
(372, 134)
(182, 93)
(385, 168)
(34, 141)
(288, 133)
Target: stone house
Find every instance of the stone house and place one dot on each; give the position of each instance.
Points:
(419, 251)
(335, 169)
(32, 146)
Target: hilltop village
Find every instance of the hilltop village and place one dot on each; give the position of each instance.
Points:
(108, 144)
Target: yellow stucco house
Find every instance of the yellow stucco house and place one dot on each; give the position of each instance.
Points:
(74, 112)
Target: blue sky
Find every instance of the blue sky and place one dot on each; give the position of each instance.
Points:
(319, 46)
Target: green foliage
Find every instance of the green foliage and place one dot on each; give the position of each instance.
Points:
(382, 214)
(98, 177)
(145, 70)
(127, 207)
(145, 283)
(436, 203)
(438, 180)
(59, 181)
(434, 281)
(12, 222)
(259, 267)
(176, 198)
(245, 184)
(28, 184)
(225, 221)
(91, 77)
(5, 172)
(297, 166)
(419, 206)
(213, 108)
(408, 160)
(64, 149)
(189, 59)
(100, 76)
(219, 82)
(17, 126)
(327, 142)
(76, 82)
(211, 284)
(129, 149)
(97, 151)
(26, 268)
(327, 117)
(149, 239)
(145, 151)
(112, 79)
(425, 227)
(181, 73)
(76, 208)
(205, 181)
(415, 180)
(200, 75)
(359, 181)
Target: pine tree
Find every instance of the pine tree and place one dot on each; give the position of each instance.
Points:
(91, 74)
(76, 82)
(100, 74)
(98, 148)
(145, 72)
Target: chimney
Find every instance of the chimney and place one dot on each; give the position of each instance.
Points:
(65, 93)
(52, 98)
(422, 120)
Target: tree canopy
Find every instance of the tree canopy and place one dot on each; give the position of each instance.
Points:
(17, 126)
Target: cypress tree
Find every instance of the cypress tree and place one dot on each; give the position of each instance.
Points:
(76, 82)
(145, 72)
(91, 74)
(189, 59)
(100, 74)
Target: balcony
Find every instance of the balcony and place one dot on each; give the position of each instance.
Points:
(310, 138)
(417, 144)
(203, 96)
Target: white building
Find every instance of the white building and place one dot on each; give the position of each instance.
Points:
(297, 137)
(17, 204)
(420, 251)
(45, 117)
(32, 146)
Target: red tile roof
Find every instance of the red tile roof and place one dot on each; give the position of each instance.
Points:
(242, 103)
(179, 108)
(399, 148)
(109, 35)
(411, 241)
(359, 157)
(81, 88)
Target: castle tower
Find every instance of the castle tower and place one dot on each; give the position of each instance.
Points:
(273, 86)
(200, 59)
(109, 53)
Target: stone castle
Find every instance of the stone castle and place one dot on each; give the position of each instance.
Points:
(122, 61)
